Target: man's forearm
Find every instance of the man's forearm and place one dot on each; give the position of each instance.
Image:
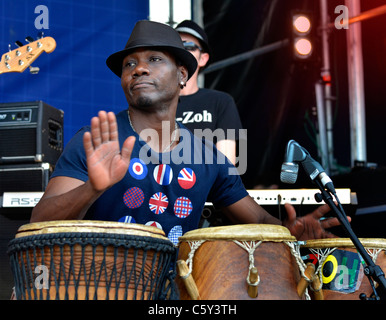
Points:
(71, 205)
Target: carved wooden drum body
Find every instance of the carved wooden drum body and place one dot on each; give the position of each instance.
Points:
(231, 262)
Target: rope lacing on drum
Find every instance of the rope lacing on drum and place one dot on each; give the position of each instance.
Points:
(250, 247)
(144, 271)
(322, 256)
(194, 245)
(373, 253)
(295, 250)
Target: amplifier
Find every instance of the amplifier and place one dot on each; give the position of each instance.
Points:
(24, 177)
(30, 132)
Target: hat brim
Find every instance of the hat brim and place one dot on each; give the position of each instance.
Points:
(115, 61)
(195, 34)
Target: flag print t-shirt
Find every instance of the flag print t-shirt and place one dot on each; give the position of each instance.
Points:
(157, 190)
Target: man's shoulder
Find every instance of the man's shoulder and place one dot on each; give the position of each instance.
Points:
(215, 93)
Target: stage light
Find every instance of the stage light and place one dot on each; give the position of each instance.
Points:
(303, 47)
(302, 42)
(302, 24)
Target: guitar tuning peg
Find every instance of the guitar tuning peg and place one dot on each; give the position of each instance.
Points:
(29, 39)
(9, 47)
(40, 34)
(34, 70)
(18, 43)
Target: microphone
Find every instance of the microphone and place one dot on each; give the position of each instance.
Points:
(316, 171)
(289, 170)
(290, 167)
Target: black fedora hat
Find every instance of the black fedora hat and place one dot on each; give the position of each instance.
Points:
(192, 28)
(157, 36)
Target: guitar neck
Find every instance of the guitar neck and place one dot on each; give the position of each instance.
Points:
(21, 58)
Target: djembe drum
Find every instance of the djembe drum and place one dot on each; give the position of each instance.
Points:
(239, 262)
(340, 267)
(84, 260)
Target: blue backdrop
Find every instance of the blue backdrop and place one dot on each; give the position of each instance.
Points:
(74, 77)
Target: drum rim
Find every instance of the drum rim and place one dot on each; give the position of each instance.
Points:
(91, 226)
(344, 243)
(248, 232)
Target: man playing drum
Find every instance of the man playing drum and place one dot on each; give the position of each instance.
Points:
(141, 166)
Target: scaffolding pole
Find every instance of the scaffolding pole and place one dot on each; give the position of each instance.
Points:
(356, 86)
(328, 145)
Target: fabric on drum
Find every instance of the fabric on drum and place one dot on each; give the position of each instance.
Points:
(85, 260)
(220, 260)
(340, 267)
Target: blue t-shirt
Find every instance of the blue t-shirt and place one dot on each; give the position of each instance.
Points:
(167, 190)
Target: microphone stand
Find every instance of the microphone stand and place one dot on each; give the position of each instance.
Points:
(370, 270)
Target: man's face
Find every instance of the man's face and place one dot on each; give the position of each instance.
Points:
(201, 57)
(150, 78)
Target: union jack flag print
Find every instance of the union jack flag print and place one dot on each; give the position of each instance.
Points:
(186, 178)
(158, 203)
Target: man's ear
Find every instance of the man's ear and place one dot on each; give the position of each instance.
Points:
(203, 60)
(183, 74)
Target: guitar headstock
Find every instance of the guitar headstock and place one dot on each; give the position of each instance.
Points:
(21, 58)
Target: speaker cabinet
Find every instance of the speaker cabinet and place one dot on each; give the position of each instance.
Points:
(30, 132)
(24, 177)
